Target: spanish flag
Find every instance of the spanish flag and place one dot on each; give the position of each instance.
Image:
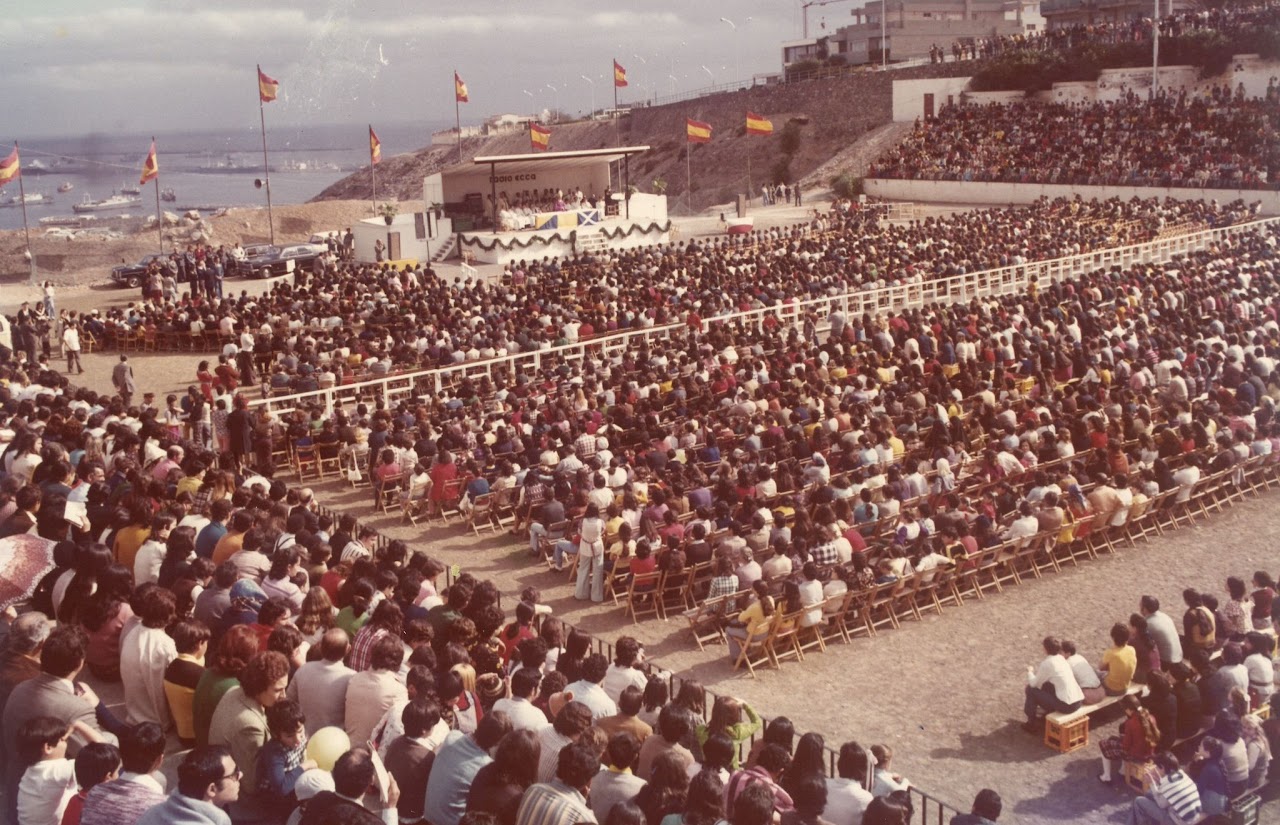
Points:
(150, 166)
(539, 137)
(619, 75)
(266, 87)
(757, 125)
(375, 147)
(698, 131)
(10, 167)
(459, 89)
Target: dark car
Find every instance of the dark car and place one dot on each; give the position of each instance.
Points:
(267, 261)
(131, 275)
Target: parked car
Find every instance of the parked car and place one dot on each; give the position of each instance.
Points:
(267, 261)
(131, 275)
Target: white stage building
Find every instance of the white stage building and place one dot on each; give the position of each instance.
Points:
(471, 195)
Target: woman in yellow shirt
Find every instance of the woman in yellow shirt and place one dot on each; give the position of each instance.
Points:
(1119, 662)
(752, 622)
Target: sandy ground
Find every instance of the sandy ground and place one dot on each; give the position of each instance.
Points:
(945, 693)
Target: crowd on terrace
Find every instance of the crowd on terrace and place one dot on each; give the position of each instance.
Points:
(1226, 21)
(1216, 141)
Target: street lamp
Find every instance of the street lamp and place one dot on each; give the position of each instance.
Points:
(556, 92)
(737, 46)
(593, 94)
(710, 75)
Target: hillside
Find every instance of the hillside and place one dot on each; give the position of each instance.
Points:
(818, 126)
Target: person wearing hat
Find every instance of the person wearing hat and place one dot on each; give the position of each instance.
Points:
(309, 785)
(247, 599)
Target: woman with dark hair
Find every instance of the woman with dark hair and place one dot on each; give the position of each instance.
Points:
(704, 801)
(778, 732)
(236, 647)
(1146, 651)
(1237, 612)
(666, 789)
(353, 617)
(576, 649)
(92, 563)
(285, 580)
(104, 615)
(808, 761)
(500, 785)
(733, 718)
(1235, 754)
(1262, 598)
(894, 809)
(625, 813)
(517, 631)
(145, 651)
(656, 694)
(1163, 706)
(180, 547)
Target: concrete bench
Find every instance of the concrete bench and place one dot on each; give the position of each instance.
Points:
(1067, 732)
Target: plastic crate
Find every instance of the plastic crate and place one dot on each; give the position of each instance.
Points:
(1244, 809)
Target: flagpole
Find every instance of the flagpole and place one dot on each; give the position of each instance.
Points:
(266, 168)
(373, 172)
(159, 215)
(457, 115)
(26, 229)
(749, 188)
(688, 174)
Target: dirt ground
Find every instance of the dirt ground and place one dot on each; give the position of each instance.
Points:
(945, 693)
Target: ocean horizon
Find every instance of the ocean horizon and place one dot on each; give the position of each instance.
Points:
(204, 168)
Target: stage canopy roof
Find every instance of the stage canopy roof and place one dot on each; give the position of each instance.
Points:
(557, 161)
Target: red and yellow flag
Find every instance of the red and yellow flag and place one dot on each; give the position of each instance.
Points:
(150, 167)
(539, 137)
(268, 87)
(698, 131)
(619, 75)
(758, 125)
(459, 89)
(375, 147)
(10, 167)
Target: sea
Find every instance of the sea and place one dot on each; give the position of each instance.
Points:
(206, 170)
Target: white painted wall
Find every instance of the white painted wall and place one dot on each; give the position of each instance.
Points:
(983, 98)
(369, 230)
(923, 191)
(556, 248)
(908, 95)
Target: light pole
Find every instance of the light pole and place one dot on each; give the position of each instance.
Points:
(592, 114)
(736, 49)
(1155, 51)
(884, 16)
(532, 101)
(556, 92)
(710, 75)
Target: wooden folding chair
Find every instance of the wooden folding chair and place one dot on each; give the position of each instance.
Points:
(837, 624)
(642, 596)
(706, 620)
(674, 592)
(784, 638)
(306, 456)
(881, 600)
(755, 649)
(449, 501)
(503, 511)
(479, 515)
(388, 492)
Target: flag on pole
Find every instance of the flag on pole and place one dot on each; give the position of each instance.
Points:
(10, 168)
(619, 75)
(698, 131)
(539, 137)
(268, 87)
(459, 89)
(150, 167)
(757, 125)
(375, 147)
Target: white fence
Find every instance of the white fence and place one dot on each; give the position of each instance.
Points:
(960, 288)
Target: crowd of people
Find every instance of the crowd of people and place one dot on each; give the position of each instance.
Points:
(1215, 141)
(1193, 734)
(1225, 20)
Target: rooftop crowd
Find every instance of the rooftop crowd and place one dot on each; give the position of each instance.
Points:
(1213, 141)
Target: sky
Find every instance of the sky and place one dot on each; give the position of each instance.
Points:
(73, 67)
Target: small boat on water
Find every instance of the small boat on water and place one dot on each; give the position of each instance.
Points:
(113, 202)
(129, 189)
(66, 186)
(29, 199)
(168, 196)
(68, 220)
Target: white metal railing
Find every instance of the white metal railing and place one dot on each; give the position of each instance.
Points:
(956, 289)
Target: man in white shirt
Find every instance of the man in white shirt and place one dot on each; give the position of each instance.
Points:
(1051, 686)
(625, 670)
(847, 800)
(521, 711)
(587, 690)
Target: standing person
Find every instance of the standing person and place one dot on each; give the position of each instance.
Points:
(591, 557)
(48, 298)
(795, 189)
(122, 379)
(71, 346)
(240, 427)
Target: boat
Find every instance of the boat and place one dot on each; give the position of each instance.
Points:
(168, 196)
(66, 186)
(67, 220)
(29, 199)
(130, 190)
(113, 202)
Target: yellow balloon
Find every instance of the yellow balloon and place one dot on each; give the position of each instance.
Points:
(326, 745)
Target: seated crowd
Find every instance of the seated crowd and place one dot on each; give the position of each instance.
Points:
(1212, 141)
(1189, 698)
(364, 321)
(293, 673)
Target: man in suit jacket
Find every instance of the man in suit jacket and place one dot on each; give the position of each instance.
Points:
(320, 687)
(55, 693)
(122, 379)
